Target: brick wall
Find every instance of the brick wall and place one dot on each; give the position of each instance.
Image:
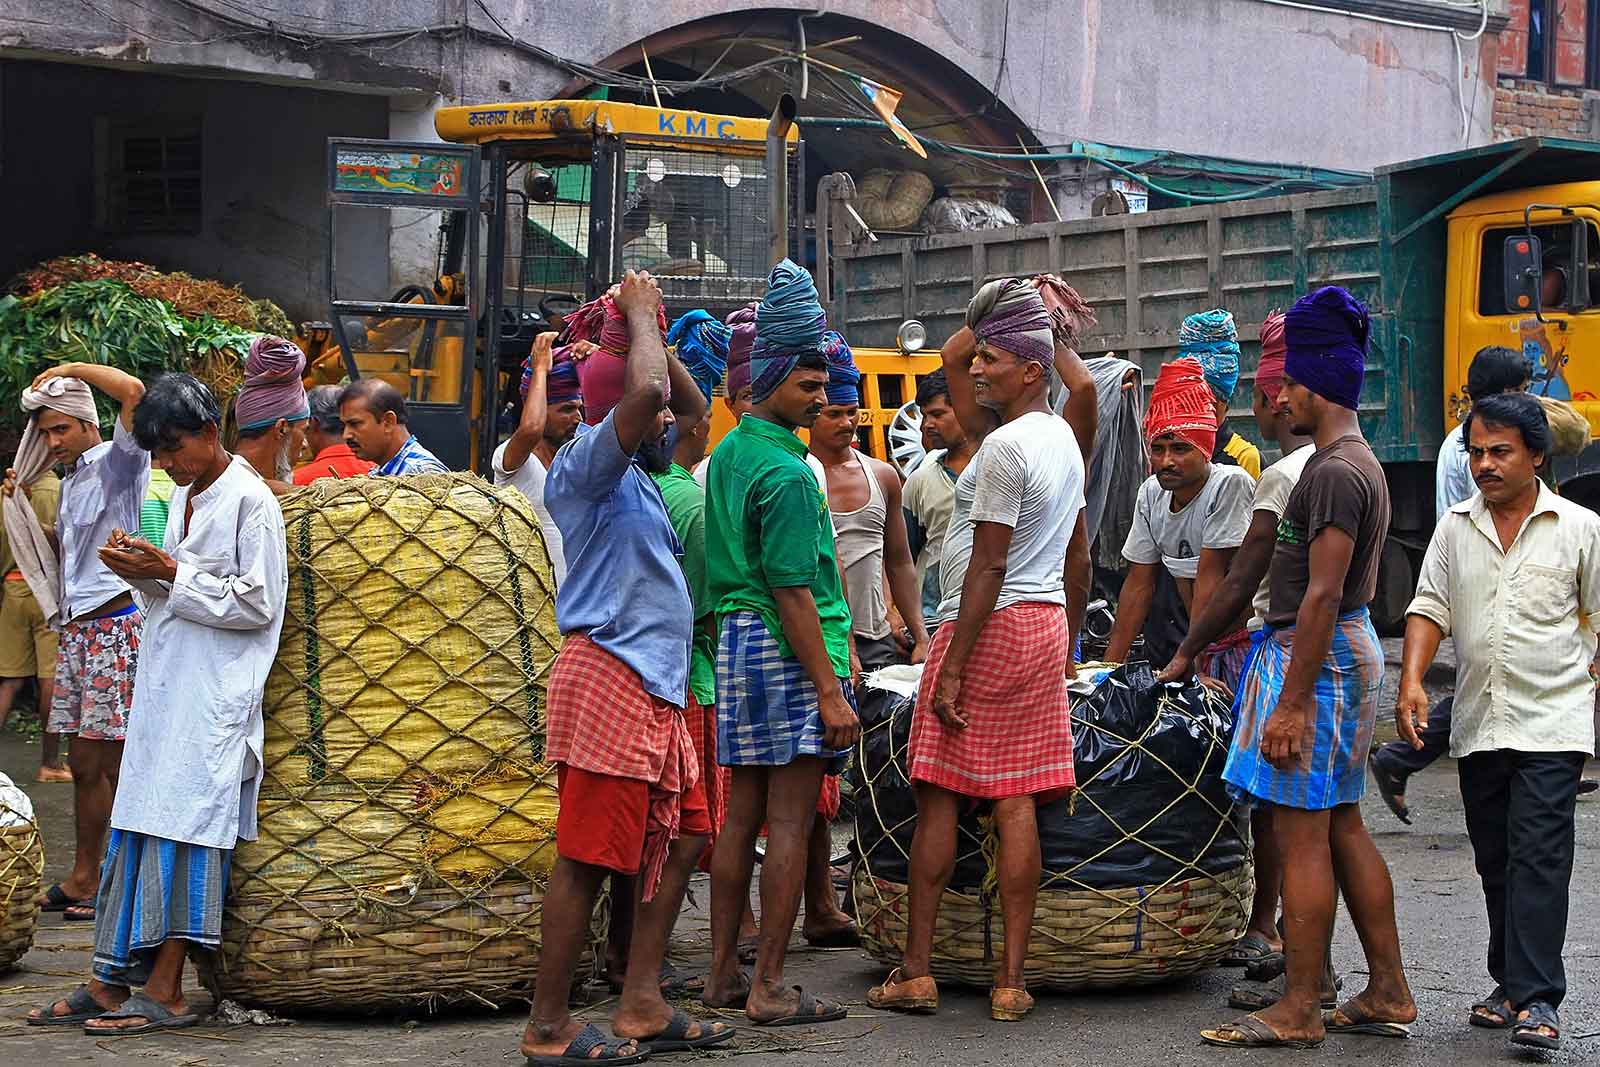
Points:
(1524, 108)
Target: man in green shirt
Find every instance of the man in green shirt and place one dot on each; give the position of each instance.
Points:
(785, 714)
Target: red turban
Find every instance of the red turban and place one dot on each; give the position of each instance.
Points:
(1181, 405)
(600, 321)
(1269, 372)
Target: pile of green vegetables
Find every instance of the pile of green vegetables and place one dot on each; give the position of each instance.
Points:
(105, 321)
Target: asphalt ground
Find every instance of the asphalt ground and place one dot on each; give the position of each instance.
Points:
(1438, 902)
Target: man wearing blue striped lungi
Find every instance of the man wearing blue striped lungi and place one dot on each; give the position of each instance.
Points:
(1308, 705)
(214, 596)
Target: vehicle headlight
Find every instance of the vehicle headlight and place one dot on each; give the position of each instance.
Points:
(911, 337)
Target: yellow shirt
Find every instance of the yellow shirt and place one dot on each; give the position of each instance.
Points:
(1245, 454)
(1522, 622)
(45, 496)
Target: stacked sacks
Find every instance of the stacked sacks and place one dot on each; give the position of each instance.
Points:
(407, 816)
(21, 873)
(1145, 875)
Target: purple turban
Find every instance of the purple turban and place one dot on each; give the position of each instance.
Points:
(844, 380)
(743, 324)
(1325, 336)
(561, 384)
(1010, 314)
(272, 388)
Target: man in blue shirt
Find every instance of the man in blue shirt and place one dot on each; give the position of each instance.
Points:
(376, 429)
(631, 799)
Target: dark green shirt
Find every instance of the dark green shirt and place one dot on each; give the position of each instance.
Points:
(767, 527)
(686, 508)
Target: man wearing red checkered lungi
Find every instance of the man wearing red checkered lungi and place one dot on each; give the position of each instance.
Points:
(632, 799)
(992, 723)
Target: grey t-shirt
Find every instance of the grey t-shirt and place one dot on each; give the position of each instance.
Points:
(1218, 517)
(1027, 474)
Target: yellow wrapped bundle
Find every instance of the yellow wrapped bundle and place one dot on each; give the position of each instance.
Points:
(407, 816)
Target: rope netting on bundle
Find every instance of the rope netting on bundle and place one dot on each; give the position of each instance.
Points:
(21, 873)
(407, 816)
(1146, 874)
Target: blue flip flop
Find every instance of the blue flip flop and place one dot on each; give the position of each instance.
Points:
(587, 1040)
(674, 1037)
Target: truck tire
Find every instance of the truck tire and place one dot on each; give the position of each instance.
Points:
(1397, 583)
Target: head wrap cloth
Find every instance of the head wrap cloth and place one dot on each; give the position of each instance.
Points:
(1269, 371)
(742, 329)
(272, 387)
(789, 324)
(1325, 338)
(1212, 338)
(702, 347)
(600, 376)
(844, 380)
(1009, 314)
(561, 384)
(35, 555)
(1181, 406)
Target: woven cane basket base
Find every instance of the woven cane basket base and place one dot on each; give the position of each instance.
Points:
(334, 953)
(21, 872)
(1082, 938)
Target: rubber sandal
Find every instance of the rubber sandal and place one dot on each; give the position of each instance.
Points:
(79, 912)
(748, 947)
(587, 1040)
(675, 983)
(1251, 1032)
(918, 995)
(82, 1007)
(812, 1009)
(674, 1037)
(139, 1006)
(1352, 1017)
(1390, 787)
(1008, 1005)
(1251, 949)
(56, 899)
(1493, 1012)
(1525, 1032)
(843, 937)
(1248, 997)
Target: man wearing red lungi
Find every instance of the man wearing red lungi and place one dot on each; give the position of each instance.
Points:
(632, 802)
(992, 722)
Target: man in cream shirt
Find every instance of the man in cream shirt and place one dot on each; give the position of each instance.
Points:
(1513, 574)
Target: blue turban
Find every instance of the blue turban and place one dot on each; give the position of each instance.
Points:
(702, 345)
(1326, 338)
(1211, 337)
(844, 380)
(789, 324)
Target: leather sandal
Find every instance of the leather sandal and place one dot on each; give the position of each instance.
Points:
(1009, 1005)
(920, 995)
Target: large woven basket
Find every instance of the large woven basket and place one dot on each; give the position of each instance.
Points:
(1146, 876)
(21, 873)
(407, 816)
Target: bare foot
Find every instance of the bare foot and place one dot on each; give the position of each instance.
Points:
(53, 774)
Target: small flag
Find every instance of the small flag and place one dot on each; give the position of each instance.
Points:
(884, 100)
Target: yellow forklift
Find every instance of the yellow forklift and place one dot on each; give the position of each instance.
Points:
(539, 207)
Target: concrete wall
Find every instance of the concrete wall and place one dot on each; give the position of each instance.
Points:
(1240, 78)
(265, 220)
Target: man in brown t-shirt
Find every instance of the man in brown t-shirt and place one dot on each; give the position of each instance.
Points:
(1309, 702)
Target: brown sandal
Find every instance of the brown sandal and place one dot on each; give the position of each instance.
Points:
(1009, 1005)
(913, 995)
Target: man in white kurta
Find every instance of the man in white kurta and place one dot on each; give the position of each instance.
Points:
(214, 601)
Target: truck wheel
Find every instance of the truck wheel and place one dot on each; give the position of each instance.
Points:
(1397, 583)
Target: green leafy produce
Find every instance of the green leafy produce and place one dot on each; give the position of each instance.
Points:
(107, 322)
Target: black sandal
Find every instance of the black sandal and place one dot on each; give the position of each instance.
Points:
(588, 1039)
(1493, 1012)
(1525, 1032)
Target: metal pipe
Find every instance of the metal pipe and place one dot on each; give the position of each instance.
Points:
(778, 126)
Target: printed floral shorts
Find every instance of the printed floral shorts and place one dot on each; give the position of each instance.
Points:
(95, 665)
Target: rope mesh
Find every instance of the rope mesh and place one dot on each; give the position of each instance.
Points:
(406, 818)
(21, 875)
(1092, 928)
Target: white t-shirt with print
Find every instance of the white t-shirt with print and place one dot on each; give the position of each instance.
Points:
(1218, 517)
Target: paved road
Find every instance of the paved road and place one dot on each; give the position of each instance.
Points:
(1442, 930)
